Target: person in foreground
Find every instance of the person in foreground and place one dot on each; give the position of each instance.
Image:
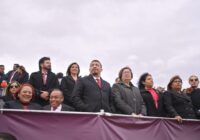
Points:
(24, 98)
(7, 136)
(56, 102)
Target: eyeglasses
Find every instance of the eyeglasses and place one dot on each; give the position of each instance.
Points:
(14, 86)
(194, 80)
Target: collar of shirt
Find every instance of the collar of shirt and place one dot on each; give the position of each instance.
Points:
(44, 73)
(58, 109)
(95, 78)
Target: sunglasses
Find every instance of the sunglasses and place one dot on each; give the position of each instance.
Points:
(193, 80)
(14, 86)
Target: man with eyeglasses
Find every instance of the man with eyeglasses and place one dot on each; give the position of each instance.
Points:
(194, 93)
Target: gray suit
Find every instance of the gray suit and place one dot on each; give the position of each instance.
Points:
(127, 100)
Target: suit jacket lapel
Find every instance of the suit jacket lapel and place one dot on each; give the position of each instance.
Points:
(71, 79)
(90, 77)
(40, 80)
(103, 84)
(181, 95)
(49, 77)
(19, 105)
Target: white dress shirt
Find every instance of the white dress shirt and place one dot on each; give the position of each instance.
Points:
(58, 109)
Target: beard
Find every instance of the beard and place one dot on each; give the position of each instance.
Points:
(95, 74)
(47, 68)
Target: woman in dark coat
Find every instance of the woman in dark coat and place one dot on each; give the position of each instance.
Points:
(11, 91)
(22, 75)
(152, 98)
(177, 103)
(127, 98)
(24, 99)
(194, 93)
(68, 82)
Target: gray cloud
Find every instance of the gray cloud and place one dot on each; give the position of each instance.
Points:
(160, 37)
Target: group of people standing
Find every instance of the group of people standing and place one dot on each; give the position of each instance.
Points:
(92, 93)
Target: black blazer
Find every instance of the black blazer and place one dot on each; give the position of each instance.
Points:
(67, 86)
(37, 82)
(17, 105)
(21, 78)
(8, 97)
(64, 108)
(88, 97)
(150, 105)
(178, 104)
(195, 97)
(8, 75)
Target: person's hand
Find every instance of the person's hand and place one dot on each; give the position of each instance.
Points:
(136, 115)
(44, 95)
(140, 115)
(179, 119)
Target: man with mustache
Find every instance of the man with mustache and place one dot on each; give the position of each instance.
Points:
(92, 93)
(43, 81)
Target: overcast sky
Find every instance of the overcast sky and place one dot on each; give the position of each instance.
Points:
(156, 36)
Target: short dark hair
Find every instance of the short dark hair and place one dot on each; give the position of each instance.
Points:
(142, 79)
(56, 89)
(95, 60)
(169, 86)
(59, 75)
(122, 70)
(16, 65)
(2, 66)
(41, 61)
(7, 136)
(69, 67)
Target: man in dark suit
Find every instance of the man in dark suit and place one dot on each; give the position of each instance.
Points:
(2, 75)
(91, 93)
(56, 99)
(11, 74)
(43, 81)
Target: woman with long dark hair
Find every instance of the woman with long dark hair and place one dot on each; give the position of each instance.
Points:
(11, 91)
(152, 98)
(22, 75)
(68, 82)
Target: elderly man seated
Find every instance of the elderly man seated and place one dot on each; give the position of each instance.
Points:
(56, 102)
